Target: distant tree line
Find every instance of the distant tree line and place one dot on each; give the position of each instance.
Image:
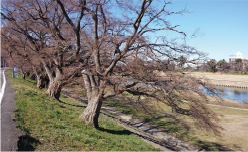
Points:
(211, 65)
(239, 66)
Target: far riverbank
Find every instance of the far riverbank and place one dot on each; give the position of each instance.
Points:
(225, 80)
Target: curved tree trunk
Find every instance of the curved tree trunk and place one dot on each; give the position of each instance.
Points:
(92, 111)
(54, 89)
(95, 98)
(55, 85)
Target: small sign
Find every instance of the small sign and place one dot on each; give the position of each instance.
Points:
(15, 72)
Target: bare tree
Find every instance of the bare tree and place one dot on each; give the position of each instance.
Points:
(116, 45)
(53, 37)
(238, 65)
(121, 47)
(14, 48)
(245, 64)
(18, 49)
(212, 65)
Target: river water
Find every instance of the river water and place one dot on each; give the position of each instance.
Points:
(237, 94)
(232, 93)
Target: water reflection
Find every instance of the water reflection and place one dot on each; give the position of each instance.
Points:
(237, 94)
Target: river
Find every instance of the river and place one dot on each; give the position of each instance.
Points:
(236, 94)
(232, 93)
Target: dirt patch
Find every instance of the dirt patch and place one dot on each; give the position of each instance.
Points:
(236, 130)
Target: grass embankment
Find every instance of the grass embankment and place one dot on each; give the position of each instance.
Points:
(183, 126)
(53, 125)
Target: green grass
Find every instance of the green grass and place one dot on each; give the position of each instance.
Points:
(176, 125)
(228, 111)
(53, 125)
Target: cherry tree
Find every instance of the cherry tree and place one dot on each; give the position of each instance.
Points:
(124, 57)
(54, 42)
(118, 46)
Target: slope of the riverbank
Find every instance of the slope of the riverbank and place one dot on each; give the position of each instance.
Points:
(42, 117)
(53, 125)
(183, 127)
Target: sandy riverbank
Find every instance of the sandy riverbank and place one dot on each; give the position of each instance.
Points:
(240, 81)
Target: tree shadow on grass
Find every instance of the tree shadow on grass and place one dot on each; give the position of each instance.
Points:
(71, 104)
(120, 132)
(31, 81)
(27, 143)
(180, 129)
(211, 146)
(127, 132)
(168, 123)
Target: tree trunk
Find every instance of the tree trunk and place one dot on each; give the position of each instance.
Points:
(32, 76)
(39, 82)
(23, 74)
(42, 81)
(95, 98)
(92, 111)
(54, 89)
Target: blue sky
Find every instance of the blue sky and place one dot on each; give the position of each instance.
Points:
(223, 25)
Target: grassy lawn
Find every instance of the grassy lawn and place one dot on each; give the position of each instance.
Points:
(183, 127)
(53, 125)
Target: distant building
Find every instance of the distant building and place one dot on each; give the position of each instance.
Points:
(194, 64)
(233, 58)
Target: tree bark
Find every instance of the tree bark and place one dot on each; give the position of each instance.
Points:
(23, 74)
(55, 85)
(92, 111)
(39, 82)
(54, 88)
(42, 82)
(95, 98)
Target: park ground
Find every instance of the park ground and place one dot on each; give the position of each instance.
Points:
(54, 125)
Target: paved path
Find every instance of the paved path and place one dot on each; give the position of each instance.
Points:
(9, 132)
(1, 78)
(156, 137)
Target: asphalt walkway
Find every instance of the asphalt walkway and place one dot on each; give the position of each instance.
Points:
(10, 134)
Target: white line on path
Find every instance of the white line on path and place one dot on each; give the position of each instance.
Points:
(3, 88)
(1, 97)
